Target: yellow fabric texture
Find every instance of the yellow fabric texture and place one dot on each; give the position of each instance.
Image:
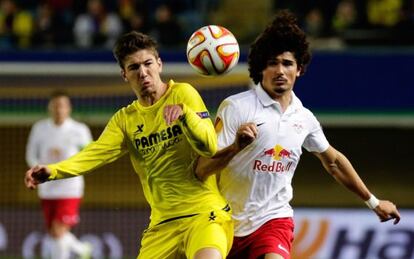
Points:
(182, 238)
(163, 156)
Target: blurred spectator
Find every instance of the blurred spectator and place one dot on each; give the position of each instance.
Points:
(16, 26)
(97, 23)
(166, 28)
(136, 22)
(44, 28)
(314, 23)
(134, 15)
(51, 27)
(97, 27)
(407, 15)
(384, 13)
(315, 16)
(243, 24)
(345, 16)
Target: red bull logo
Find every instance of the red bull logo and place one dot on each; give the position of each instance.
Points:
(277, 153)
(274, 167)
(269, 152)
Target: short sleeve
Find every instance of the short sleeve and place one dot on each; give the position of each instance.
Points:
(226, 124)
(316, 140)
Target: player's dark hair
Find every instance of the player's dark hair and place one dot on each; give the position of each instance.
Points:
(281, 34)
(132, 42)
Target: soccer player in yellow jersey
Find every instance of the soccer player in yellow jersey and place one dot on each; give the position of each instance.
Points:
(163, 131)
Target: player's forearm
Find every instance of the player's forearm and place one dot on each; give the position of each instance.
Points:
(91, 157)
(343, 172)
(208, 166)
(200, 133)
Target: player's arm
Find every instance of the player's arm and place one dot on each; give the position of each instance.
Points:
(245, 135)
(193, 116)
(110, 146)
(199, 131)
(107, 148)
(342, 170)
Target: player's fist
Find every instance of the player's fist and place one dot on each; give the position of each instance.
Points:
(172, 113)
(245, 135)
(387, 210)
(36, 175)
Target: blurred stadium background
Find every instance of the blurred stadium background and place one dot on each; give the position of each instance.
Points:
(359, 85)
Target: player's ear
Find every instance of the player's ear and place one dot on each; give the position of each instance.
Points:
(123, 75)
(299, 72)
(159, 61)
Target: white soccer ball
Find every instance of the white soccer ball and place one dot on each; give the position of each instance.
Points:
(212, 50)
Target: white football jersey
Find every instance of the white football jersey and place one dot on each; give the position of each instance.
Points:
(49, 143)
(257, 181)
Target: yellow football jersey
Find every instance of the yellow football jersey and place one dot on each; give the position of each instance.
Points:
(163, 156)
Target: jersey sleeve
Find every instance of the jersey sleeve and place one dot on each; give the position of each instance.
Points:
(226, 123)
(197, 125)
(316, 140)
(110, 146)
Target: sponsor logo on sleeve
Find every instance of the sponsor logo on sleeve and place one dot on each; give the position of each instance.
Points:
(203, 115)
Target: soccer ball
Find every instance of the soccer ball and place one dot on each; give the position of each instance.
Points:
(212, 50)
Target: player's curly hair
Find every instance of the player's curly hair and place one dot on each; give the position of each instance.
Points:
(281, 34)
(132, 42)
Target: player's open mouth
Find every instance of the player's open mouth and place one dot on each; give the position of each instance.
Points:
(145, 83)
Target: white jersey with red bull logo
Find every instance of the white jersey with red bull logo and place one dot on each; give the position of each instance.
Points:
(257, 181)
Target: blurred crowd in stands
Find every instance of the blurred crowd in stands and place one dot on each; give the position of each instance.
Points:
(85, 24)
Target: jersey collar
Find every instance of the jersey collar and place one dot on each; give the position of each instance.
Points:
(266, 100)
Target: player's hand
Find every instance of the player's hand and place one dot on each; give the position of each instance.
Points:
(36, 175)
(172, 113)
(245, 135)
(387, 210)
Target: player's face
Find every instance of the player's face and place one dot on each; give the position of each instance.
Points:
(142, 70)
(280, 74)
(60, 109)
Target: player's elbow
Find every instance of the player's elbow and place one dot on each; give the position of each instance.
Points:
(207, 150)
(332, 169)
(203, 168)
(200, 174)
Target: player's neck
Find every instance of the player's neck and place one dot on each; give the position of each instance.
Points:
(58, 122)
(284, 100)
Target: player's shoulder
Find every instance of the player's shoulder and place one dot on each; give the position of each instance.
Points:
(306, 114)
(181, 87)
(42, 124)
(242, 99)
(130, 108)
(78, 125)
(299, 107)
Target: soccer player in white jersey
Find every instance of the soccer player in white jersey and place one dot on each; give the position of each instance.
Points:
(261, 133)
(52, 140)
